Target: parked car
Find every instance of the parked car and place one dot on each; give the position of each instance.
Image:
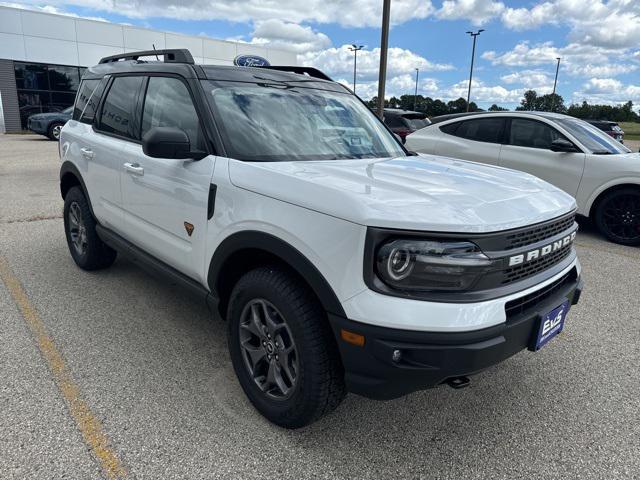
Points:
(340, 261)
(404, 122)
(610, 128)
(601, 173)
(49, 124)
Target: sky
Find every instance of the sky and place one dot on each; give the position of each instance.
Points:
(598, 41)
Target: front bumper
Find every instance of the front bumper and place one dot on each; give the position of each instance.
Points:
(430, 358)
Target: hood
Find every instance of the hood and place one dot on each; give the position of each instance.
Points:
(419, 192)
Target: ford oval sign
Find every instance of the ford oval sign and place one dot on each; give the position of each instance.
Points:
(250, 61)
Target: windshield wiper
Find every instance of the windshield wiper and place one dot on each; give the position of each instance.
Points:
(602, 152)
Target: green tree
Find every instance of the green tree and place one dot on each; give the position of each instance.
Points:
(496, 108)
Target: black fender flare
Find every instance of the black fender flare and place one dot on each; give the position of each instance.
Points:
(256, 240)
(66, 168)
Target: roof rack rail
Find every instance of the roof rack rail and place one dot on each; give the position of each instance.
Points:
(176, 55)
(312, 72)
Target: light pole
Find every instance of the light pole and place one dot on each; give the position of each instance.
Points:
(355, 48)
(473, 54)
(384, 45)
(415, 96)
(555, 82)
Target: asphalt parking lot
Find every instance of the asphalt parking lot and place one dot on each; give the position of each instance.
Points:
(116, 374)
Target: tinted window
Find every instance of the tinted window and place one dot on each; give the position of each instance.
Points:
(393, 121)
(481, 130)
(63, 79)
(117, 111)
(31, 76)
(88, 99)
(168, 104)
(532, 134)
(450, 128)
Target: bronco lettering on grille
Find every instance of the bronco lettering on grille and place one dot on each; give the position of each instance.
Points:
(541, 252)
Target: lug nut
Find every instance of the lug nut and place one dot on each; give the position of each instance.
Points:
(276, 357)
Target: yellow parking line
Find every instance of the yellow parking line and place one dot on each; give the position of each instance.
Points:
(89, 425)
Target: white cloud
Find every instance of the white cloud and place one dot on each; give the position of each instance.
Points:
(577, 59)
(537, 80)
(349, 13)
(51, 9)
(609, 24)
(478, 12)
(338, 62)
(289, 36)
(482, 93)
(607, 90)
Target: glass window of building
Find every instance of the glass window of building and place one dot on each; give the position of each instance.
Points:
(44, 88)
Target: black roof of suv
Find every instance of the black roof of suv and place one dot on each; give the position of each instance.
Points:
(180, 61)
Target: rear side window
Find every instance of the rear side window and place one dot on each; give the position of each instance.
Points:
(394, 121)
(532, 134)
(168, 104)
(450, 128)
(487, 130)
(118, 109)
(84, 94)
(88, 99)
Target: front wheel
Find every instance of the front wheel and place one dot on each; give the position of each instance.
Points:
(87, 249)
(617, 216)
(282, 348)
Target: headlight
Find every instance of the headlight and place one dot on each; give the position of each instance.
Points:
(430, 265)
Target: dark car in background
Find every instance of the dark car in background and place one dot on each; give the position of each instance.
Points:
(404, 122)
(49, 124)
(610, 128)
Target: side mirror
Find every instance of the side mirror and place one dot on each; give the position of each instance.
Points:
(562, 145)
(169, 142)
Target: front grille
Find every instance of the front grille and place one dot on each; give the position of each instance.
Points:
(520, 272)
(538, 233)
(528, 302)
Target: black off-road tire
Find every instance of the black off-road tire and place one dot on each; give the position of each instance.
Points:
(320, 386)
(95, 254)
(617, 216)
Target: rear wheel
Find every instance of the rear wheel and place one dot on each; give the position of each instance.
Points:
(617, 216)
(54, 131)
(282, 348)
(87, 249)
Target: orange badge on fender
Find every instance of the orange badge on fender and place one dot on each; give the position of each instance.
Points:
(188, 227)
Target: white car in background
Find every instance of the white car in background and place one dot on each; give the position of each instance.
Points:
(601, 173)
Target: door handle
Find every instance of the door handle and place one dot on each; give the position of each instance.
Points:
(134, 168)
(87, 153)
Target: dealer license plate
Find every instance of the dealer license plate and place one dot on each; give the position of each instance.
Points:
(551, 325)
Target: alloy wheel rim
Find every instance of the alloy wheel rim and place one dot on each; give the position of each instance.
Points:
(621, 216)
(268, 349)
(77, 229)
(56, 131)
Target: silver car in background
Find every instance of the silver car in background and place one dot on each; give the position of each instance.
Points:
(600, 172)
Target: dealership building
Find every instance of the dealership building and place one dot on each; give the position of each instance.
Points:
(43, 56)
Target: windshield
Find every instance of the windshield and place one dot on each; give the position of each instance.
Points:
(591, 137)
(280, 122)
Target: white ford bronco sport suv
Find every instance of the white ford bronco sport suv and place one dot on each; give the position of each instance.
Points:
(340, 261)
